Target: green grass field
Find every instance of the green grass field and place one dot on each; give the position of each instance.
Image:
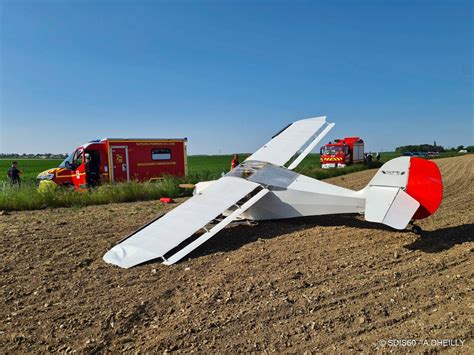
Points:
(201, 168)
(30, 167)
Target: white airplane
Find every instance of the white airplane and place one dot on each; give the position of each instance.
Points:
(262, 188)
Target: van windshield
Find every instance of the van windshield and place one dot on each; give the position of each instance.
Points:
(69, 159)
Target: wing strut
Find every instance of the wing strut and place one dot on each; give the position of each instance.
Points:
(291, 140)
(311, 146)
(180, 231)
(217, 228)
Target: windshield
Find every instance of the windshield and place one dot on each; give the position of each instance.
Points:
(264, 173)
(247, 169)
(69, 159)
(332, 150)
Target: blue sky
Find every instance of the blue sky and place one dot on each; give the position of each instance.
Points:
(229, 74)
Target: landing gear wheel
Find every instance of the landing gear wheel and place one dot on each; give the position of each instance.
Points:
(416, 229)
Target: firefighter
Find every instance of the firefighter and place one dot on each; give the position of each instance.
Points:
(235, 162)
(14, 174)
(368, 158)
(91, 171)
(89, 179)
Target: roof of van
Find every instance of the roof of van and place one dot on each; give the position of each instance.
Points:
(145, 139)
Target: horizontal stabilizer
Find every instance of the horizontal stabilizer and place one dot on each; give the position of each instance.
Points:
(389, 205)
(167, 233)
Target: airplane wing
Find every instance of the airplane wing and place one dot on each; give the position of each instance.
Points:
(175, 234)
(299, 137)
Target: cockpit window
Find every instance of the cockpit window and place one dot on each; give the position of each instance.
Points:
(247, 169)
(264, 173)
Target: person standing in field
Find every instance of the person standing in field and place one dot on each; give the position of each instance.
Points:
(14, 174)
(235, 162)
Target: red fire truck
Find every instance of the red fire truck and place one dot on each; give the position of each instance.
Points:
(342, 152)
(113, 160)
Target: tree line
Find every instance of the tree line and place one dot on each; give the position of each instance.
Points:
(32, 156)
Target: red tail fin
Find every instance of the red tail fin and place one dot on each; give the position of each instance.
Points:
(425, 185)
(403, 189)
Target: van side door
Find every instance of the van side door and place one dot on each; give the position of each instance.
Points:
(78, 167)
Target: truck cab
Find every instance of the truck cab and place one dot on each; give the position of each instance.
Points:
(82, 168)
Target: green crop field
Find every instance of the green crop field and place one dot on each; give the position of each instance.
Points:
(201, 168)
(205, 167)
(29, 167)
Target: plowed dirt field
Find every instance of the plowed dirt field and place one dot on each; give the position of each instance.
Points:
(328, 284)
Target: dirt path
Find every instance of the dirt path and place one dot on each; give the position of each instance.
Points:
(320, 284)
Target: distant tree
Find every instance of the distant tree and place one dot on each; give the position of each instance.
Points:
(420, 148)
(32, 155)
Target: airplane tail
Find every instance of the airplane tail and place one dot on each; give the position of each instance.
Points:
(404, 189)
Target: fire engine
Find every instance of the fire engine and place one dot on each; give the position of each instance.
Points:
(342, 152)
(112, 160)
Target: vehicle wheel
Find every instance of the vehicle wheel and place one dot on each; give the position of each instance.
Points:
(416, 230)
